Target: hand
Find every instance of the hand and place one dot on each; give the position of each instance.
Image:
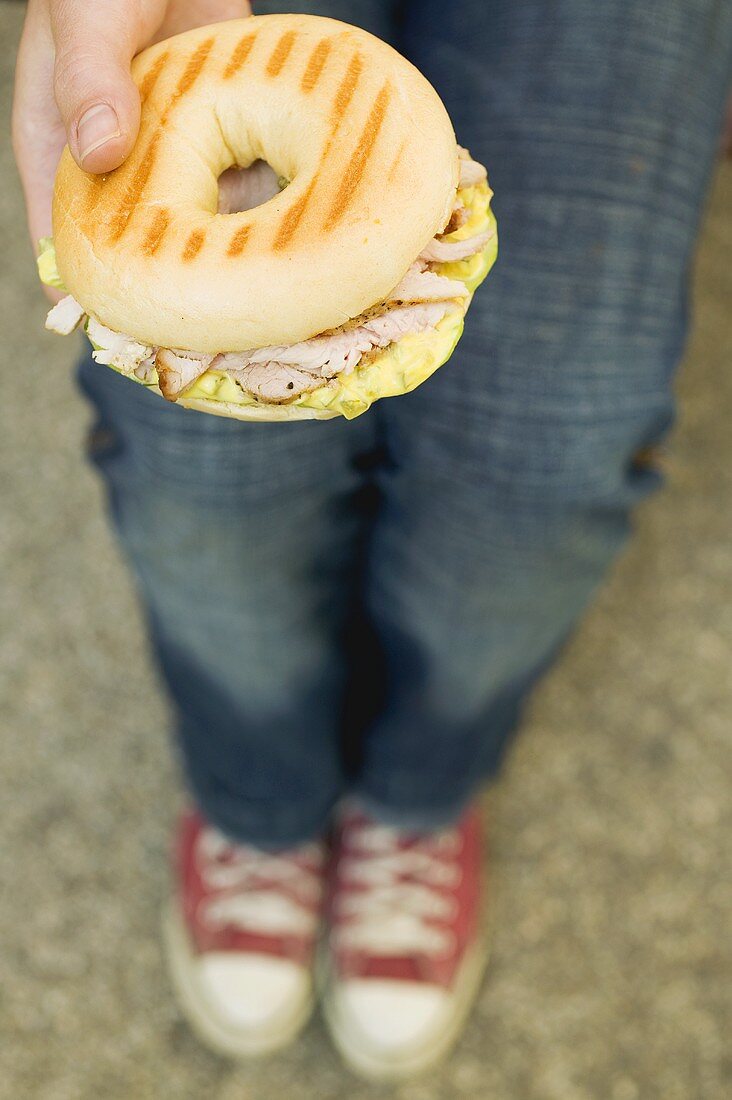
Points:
(73, 83)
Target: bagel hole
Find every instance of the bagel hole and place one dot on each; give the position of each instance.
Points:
(245, 188)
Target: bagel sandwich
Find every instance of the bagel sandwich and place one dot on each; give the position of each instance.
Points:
(295, 234)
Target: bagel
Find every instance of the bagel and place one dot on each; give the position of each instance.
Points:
(366, 252)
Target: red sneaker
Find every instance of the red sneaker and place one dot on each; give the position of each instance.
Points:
(240, 938)
(406, 954)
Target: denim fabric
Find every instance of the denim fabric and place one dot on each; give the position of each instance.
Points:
(363, 606)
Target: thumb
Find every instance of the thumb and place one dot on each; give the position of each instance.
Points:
(96, 96)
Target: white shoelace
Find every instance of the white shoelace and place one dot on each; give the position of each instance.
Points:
(236, 873)
(385, 915)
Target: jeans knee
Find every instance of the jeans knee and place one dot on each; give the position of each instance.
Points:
(580, 454)
(217, 466)
(592, 465)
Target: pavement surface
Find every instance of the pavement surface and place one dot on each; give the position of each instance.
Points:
(611, 828)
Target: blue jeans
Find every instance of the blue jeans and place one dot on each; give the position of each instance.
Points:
(363, 606)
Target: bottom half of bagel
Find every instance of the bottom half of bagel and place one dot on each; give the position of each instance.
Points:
(409, 340)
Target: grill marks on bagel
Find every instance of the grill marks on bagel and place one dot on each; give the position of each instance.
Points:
(238, 242)
(239, 57)
(147, 84)
(135, 188)
(345, 93)
(315, 65)
(394, 168)
(293, 217)
(190, 75)
(194, 244)
(281, 52)
(156, 232)
(357, 165)
(150, 78)
(346, 90)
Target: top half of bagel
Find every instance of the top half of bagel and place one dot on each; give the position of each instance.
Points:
(361, 135)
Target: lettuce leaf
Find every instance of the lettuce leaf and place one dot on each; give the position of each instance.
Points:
(46, 261)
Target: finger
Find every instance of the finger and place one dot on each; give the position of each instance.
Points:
(182, 15)
(96, 96)
(38, 133)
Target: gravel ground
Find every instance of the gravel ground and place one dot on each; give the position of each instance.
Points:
(610, 976)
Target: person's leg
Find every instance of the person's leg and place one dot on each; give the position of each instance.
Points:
(244, 540)
(514, 470)
(242, 537)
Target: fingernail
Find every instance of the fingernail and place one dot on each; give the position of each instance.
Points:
(97, 126)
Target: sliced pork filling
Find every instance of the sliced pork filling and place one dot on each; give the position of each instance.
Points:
(280, 374)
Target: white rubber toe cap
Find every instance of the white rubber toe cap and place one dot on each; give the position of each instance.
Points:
(251, 992)
(391, 1016)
